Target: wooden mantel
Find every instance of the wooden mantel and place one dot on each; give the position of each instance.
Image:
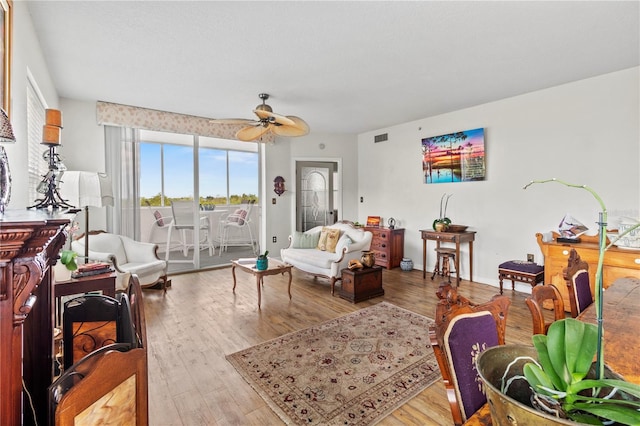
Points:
(30, 241)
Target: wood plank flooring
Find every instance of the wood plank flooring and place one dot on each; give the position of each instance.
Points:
(200, 320)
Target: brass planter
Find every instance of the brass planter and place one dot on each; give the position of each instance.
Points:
(511, 410)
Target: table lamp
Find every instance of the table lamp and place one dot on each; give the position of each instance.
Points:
(6, 136)
(84, 189)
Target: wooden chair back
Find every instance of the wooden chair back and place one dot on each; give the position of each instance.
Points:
(576, 275)
(539, 294)
(462, 330)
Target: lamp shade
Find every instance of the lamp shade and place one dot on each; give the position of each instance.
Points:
(83, 189)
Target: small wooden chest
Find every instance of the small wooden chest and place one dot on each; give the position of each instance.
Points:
(358, 285)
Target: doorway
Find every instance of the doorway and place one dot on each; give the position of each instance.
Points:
(317, 194)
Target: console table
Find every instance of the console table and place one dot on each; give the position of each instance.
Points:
(617, 263)
(448, 237)
(29, 245)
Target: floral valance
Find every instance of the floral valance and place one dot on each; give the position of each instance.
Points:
(150, 119)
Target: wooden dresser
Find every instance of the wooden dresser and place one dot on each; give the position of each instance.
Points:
(388, 246)
(618, 263)
(29, 245)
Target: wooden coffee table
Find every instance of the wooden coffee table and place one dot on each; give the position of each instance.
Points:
(275, 267)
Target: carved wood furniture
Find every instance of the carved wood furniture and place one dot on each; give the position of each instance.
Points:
(618, 263)
(387, 245)
(448, 237)
(462, 330)
(576, 275)
(518, 270)
(361, 284)
(109, 385)
(540, 294)
(30, 241)
(621, 316)
(275, 267)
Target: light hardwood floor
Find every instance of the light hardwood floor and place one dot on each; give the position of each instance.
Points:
(200, 320)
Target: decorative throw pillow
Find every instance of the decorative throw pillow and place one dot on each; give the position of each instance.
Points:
(235, 216)
(243, 216)
(307, 241)
(333, 235)
(159, 219)
(322, 241)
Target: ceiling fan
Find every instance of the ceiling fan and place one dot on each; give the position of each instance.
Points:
(268, 121)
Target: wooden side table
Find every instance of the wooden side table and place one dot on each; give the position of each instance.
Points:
(448, 237)
(275, 267)
(361, 284)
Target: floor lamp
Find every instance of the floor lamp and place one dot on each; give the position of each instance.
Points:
(84, 189)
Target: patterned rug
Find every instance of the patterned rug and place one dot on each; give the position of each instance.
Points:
(353, 370)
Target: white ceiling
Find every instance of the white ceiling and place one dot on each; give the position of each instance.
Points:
(345, 67)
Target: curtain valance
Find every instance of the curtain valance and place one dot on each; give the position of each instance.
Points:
(149, 119)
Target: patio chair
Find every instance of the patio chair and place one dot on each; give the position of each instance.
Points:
(234, 229)
(183, 221)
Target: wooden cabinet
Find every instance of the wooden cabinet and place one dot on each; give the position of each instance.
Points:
(361, 284)
(29, 245)
(617, 262)
(388, 246)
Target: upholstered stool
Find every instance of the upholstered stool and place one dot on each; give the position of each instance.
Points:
(443, 255)
(520, 270)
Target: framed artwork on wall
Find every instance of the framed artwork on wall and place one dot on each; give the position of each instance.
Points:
(5, 54)
(454, 157)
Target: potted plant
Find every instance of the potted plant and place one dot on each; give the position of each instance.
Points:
(442, 222)
(262, 262)
(555, 381)
(560, 378)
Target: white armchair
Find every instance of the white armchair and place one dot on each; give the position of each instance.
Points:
(127, 257)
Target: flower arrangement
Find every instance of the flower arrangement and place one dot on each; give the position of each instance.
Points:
(443, 220)
(568, 349)
(68, 256)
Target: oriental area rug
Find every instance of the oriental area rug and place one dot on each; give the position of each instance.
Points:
(352, 370)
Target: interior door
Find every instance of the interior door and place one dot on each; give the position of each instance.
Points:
(315, 194)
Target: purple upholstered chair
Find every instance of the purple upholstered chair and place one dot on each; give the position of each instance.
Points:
(458, 337)
(576, 274)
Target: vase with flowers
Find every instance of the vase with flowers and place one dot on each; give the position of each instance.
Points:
(442, 222)
(68, 258)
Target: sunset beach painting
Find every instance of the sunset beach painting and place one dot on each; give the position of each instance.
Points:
(454, 157)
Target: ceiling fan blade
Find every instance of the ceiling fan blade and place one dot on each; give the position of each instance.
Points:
(272, 117)
(300, 128)
(251, 133)
(232, 121)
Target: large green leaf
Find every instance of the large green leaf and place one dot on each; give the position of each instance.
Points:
(557, 354)
(541, 345)
(537, 378)
(580, 344)
(619, 414)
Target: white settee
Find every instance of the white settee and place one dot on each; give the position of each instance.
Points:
(304, 255)
(127, 256)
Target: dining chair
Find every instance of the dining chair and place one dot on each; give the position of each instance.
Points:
(183, 221)
(576, 275)
(539, 294)
(462, 330)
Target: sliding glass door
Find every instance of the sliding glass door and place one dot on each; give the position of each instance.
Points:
(215, 175)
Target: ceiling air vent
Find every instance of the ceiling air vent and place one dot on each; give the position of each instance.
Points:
(381, 138)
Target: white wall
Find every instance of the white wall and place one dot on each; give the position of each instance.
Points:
(27, 58)
(586, 132)
(280, 161)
